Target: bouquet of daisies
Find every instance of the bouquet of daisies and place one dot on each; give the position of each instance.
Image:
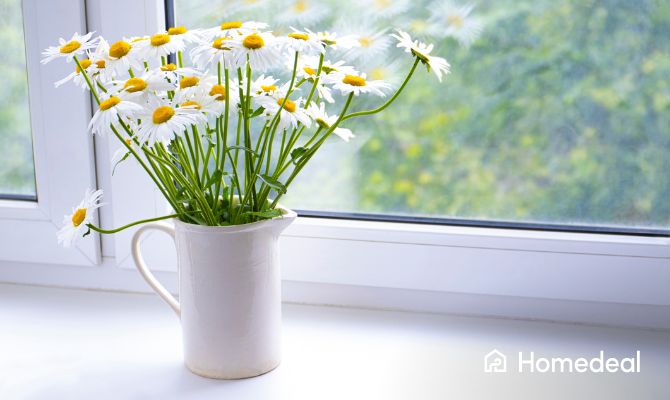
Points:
(221, 119)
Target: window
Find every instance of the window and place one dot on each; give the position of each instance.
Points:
(556, 113)
(17, 172)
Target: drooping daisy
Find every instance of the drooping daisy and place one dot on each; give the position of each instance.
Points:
(109, 111)
(422, 51)
(162, 121)
(159, 45)
(74, 225)
(303, 12)
(290, 115)
(260, 49)
(306, 43)
(207, 54)
(455, 21)
(233, 28)
(77, 45)
(325, 121)
(357, 84)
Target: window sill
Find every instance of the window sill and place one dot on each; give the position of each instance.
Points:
(81, 344)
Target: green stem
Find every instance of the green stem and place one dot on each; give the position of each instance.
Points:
(119, 229)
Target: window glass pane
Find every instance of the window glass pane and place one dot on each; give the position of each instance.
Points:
(17, 176)
(555, 111)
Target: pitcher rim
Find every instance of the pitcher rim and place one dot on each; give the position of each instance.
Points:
(287, 214)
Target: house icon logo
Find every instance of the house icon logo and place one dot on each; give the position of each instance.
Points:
(495, 361)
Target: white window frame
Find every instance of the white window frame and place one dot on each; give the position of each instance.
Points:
(602, 278)
(62, 147)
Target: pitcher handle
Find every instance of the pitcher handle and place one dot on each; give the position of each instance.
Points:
(144, 270)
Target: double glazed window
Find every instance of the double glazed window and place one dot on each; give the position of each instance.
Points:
(556, 112)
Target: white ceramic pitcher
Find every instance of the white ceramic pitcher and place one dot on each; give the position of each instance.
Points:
(229, 294)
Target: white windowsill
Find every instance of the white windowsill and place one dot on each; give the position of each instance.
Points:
(74, 344)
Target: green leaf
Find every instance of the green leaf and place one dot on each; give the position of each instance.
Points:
(125, 156)
(257, 112)
(243, 148)
(267, 214)
(273, 183)
(297, 153)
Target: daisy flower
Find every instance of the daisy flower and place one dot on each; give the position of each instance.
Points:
(373, 44)
(233, 28)
(325, 121)
(109, 111)
(303, 12)
(121, 56)
(138, 88)
(422, 51)
(290, 115)
(187, 36)
(260, 48)
(162, 121)
(76, 76)
(68, 49)
(384, 8)
(173, 73)
(264, 85)
(192, 84)
(302, 42)
(212, 100)
(159, 45)
(208, 54)
(455, 21)
(74, 225)
(333, 41)
(357, 84)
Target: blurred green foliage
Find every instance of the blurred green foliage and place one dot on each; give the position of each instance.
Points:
(16, 164)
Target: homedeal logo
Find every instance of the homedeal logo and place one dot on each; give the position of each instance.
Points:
(495, 361)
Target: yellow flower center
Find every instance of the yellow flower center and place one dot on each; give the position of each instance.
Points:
(133, 85)
(109, 103)
(253, 42)
(129, 142)
(160, 39)
(231, 25)
(455, 20)
(162, 114)
(382, 3)
(177, 30)
(219, 43)
(353, 80)
(299, 36)
(288, 106)
(300, 6)
(139, 39)
(365, 41)
(378, 73)
(69, 47)
(328, 69)
(85, 63)
(191, 104)
(268, 88)
(101, 64)
(78, 217)
(188, 81)
(219, 91)
(119, 49)
(168, 67)
(309, 71)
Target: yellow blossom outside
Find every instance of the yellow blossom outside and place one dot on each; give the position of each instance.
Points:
(160, 39)
(288, 106)
(219, 91)
(354, 80)
(188, 81)
(119, 49)
(231, 25)
(133, 85)
(253, 42)
(177, 30)
(85, 63)
(191, 104)
(299, 36)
